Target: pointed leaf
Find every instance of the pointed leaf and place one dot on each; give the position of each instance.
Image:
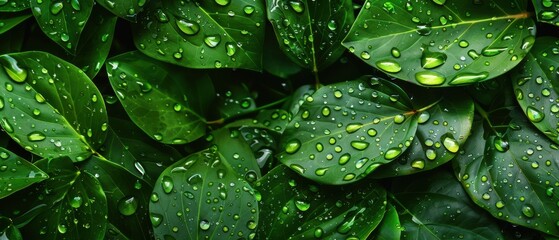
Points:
(126, 9)
(200, 197)
(536, 86)
(547, 11)
(59, 110)
(157, 98)
(203, 34)
(390, 227)
(10, 20)
(310, 32)
(14, 5)
(17, 173)
(293, 208)
(346, 130)
(451, 43)
(63, 21)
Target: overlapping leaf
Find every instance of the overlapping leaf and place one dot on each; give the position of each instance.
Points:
(390, 226)
(50, 107)
(536, 86)
(310, 32)
(547, 11)
(16, 173)
(203, 34)
(200, 197)
(14, 5)
(442, 43)
(512, 175)
(10, 20)
(127, 9)
(8, 231)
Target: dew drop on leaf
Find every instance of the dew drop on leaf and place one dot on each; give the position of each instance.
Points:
(127, 206)
(389, 66)
(15, 73)
(430, 78)
(36, 136)
(188, 27)
(167, 184)
(534, 114)
(155, 219)
(292, 146)
(297, 6)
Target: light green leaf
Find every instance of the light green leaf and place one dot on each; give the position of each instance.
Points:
(17, 173)
(310, 32)
(201, 197)
(126, 9)
(14, 5)
(203, 34)
(62, 21)
(59, 110)
(442, 43)
(10, 20)
(158, 99)
(547, 11)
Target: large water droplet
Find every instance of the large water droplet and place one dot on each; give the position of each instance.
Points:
(15, 73)
(501, 144)
(292, 146)
(76, 202)
(528, 210)
(359, 145)
(450, 144)
(56, 7)
(188, 27)
(466, 78)
(344, 158)
(353, 127)
(302, 205)
(528, 42)
(248, 9)
(155, 219)
(392, 153)
(36, 136)
(167, 184)
(423, 29)
(297, 6)
(439, 2)
(204, 224)
(62, 228)
(212, 40)
(490, 52)
(430, 78)
(127, 206)
(230, 49)
(534, 114)
(430, 60)
(548, 15)
(390, 66)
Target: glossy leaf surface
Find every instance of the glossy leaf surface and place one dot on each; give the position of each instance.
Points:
(10, 20)
(16, 173)
(203, 34)
(127, 9)
(60, 111)
(547, 11)
(150, 93)
(513, 177)
(390, 227)
(310, 32)
(201, 196)
(451, 43)
(63, 21)
(536, 86)
(294, 208)
(344, 131)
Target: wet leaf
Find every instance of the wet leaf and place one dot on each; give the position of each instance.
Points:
(10, 20)
(203, 34)
(274, 119)
(126, 9)
(390, 226)
(434, 206)
(59, 110)
(511, 175)
(70, 204)
(63, 21)
(16, 173)
(201, 196)
(536, 86)
(14, 5)
(346, 130)
(275, 61)
(233, 99)
(442, 43)
(150, 93)
(8, 231)
(310, 32)
(294, 208)
(547, 11)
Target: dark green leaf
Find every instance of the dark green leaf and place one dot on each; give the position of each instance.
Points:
(14, 5)
(274, 119)
(59, 110)
(127, 198)
(434, 206)
(203, 34)
(233, 98)
(275, 61)
(8, 231)
(547, 11)
(126, 9)
(10, 20)
(536, 86)
(16, 173)
(433, 43)
(390, 227)
(441, 130)
(293, 208)
(345, 131)
(69, 205)
(310, 32)
(157, 97)
(113, 233)
(62, 21)
(12, 40)
(513, 175)
(200, 197)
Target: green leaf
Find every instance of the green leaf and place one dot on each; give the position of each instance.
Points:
(14, 5)
(511, 175)
(233, 98)
(346, 130)
(274, 119)
(113, 233)
(158, 99)
(536, 86)
(63, 21)
(547, 11)
(8, 231)
(441, 130)
(10, 20)
(126, 9)
(70, 204)
(127, 198)
(390, 227)
(293, 208)
(60, 111)
(17, 173)
(433, 43)
(275, 61)
(203, 34)
(201, 197)
(434, 206)
(310, 32)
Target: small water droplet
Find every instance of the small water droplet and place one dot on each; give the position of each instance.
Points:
(392, 153)
(204, 225)
(292, 146)
(11, 67)
(302, 205)
(490, 52)
(155, 219)
(528, 210)
(230, 49)
(365, 55)
(56, 7)
(127, 206)
(248, 9)
(353, 127)
(76, 202)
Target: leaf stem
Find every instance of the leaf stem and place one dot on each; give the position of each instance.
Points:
(485, 116)
(428, 106)
(316, 78)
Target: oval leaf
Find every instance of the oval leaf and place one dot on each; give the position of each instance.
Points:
(126, 9)
(59, 110)
(536, 86)
(203, 34)
(547, 11)
(62, 21)
(17, 173)
(201, 197)
(346, 130)
(513, 176)
(452, 43)
(310, 32)
(157, 98)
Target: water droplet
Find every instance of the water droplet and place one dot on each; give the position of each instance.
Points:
(302, 205)
(212, 40)
(56, 7)
(75, 5)
(167, 184)
(15, 73)
(344, 158)
(490, 52)
(248, 9)
(204, 225)
(389, 66)
(528, 42)
(332, 25)
(349, 177)
(318, 232)
(430, 78)
(365, 55)
(36, 136)
(423, 117)
(297, 6)
(418, 164)
(392, 153)
(466, 78)
(430, 60)
(528, 210)
(400, 118)
(127, 206)
(292, 146)
(298, 168)
(501, 145)
(326, 111)
(548, 15)
(388, 7)
(155, 219)
(230, 49)
(450, 144)
(359, 145)
(534, 114)
(439, 2)
(61, 228)
(500, 204)
(353, 127)
(320, 171)
(76, 202)
(188, 27)
(39, 98)
(7, 126)
(423, 29)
